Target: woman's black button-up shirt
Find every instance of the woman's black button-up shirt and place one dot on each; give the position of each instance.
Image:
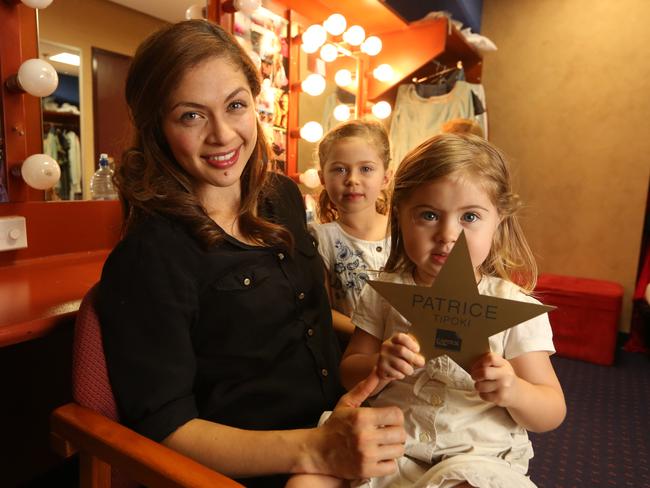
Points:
(239, 335)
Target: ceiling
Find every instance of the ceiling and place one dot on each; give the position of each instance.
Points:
(464, 10)
(169, 10)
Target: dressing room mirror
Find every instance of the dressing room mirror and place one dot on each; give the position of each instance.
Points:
(87, 114)
(321, 108)
(61, 120)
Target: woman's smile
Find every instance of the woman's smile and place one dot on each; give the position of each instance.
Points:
(223, 160)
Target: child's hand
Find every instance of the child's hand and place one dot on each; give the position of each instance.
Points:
(495, 379)
(398, 358)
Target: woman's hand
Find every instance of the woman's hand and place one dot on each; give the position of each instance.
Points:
(362, 442)
(495, 379)
(398, 357)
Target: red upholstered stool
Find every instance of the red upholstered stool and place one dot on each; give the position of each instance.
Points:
(585, 323)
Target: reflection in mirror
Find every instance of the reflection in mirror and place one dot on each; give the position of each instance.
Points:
(334, 105)
(264, 35)
(87, 26)
(62, 120)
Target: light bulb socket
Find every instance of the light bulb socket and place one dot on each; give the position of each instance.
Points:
(13, 85)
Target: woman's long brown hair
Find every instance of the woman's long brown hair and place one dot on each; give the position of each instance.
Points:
(149, 179)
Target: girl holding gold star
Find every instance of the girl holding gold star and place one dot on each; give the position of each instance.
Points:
(465, 427)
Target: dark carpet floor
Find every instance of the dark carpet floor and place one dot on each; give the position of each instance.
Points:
(605, 438)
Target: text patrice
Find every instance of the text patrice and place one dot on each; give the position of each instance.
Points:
(454, 312)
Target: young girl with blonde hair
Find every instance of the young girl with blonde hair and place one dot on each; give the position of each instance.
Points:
(352, 233)
(464, 429)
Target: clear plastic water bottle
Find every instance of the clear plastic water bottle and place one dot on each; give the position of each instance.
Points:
(101, 184)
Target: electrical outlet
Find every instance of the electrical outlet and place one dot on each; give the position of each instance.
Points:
(13, 233)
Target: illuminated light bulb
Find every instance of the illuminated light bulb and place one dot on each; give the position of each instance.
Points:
(40, 171)
(381, 110)
(310, 178)
(37, 77)
(341, 112)
(371, 46)
(311, 131)
(354, 35)
(309, 46)
(247, 6)
(335, 24)
(313, 85)
(329, 52)
(316, 34)
(37, 3)
(195, 12)
(343, 77)
(383, 72)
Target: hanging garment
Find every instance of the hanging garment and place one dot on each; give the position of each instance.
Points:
(62, 187)
(436, 85)
(416, 118)
(74, 160)
(51, 144)
(480, 106)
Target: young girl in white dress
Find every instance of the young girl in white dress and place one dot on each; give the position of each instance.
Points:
(464, 429)
(352, 234)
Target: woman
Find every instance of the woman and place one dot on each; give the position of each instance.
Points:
(216, 325)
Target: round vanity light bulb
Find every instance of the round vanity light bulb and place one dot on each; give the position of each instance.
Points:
(37, 77)
(354, 35)
(329, 52)
(311, 131)
(37, 3)
(381, 110)
(40, 171)
(371, 46)
(341, 112)
(383, 72)
(310, 178)
(195, 11)
(247, 6)
(343, 77)
(335, 24)
(308, 45)
(313, 85)
(315, 34)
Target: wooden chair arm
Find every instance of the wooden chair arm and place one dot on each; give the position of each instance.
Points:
(138, 457)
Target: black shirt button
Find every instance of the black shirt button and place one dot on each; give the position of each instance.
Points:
(379, 248)
(324, 372)
(247, 281)
(310, 332)
(301, 296)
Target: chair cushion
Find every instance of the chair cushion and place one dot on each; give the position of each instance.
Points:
(90, 384)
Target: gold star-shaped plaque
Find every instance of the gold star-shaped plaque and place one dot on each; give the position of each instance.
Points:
(451, 317)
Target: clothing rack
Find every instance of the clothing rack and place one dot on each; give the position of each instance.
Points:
(437, 74)
(47, 125)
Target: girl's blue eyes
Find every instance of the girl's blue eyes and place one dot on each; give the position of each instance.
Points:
(364, 169)
(469, 217)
